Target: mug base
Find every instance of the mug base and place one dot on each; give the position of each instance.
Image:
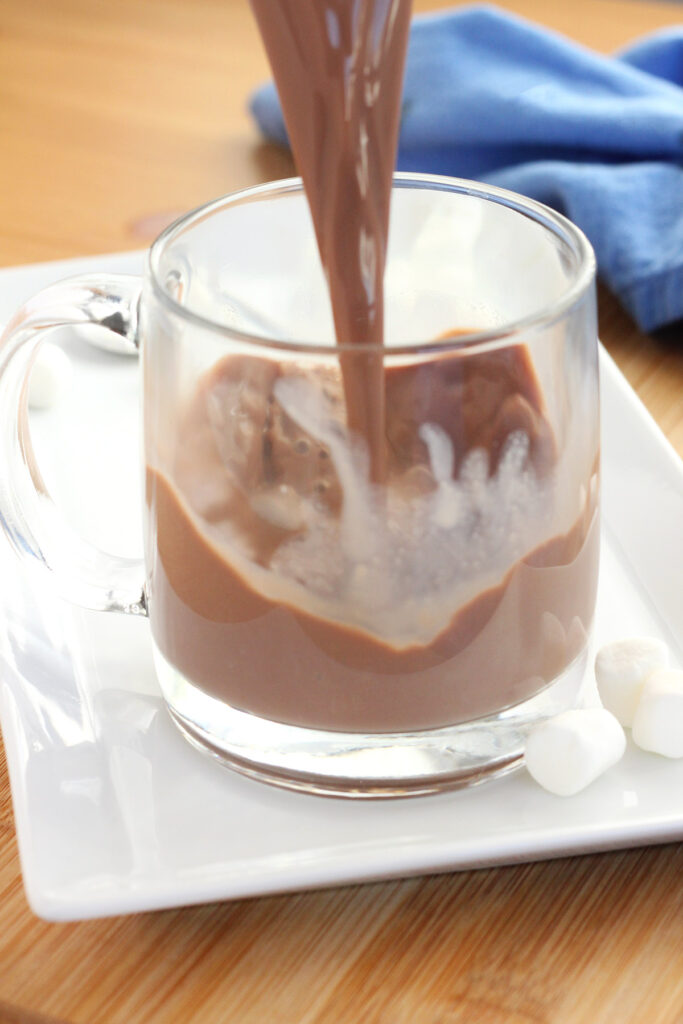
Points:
(358, 765)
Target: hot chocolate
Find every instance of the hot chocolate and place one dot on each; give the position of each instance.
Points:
(359, 542)
(284, 585)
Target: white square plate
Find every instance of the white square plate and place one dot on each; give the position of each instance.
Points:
(115, 812)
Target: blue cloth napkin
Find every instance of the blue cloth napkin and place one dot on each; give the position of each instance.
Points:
(490, 96)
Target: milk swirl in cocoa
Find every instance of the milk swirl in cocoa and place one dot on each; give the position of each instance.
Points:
(355, 545)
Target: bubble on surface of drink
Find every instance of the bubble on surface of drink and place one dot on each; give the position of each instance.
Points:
(445, 506)
(280, 484)
(398, 560)
(308, 407)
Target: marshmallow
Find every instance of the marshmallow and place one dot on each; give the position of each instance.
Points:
(50, 376)
(621, 669)
(567, 752)
(658, 721)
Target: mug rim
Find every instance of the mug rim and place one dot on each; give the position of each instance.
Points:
(501, 335)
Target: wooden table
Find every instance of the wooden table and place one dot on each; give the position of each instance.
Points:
(113, 117)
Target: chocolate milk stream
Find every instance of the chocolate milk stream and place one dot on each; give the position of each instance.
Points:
(338, 66)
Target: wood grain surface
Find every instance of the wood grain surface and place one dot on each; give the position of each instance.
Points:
(115, 116)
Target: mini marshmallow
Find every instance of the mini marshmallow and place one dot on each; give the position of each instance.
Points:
(658, 721)
(567, 752)
(50, 376)
(621, 669)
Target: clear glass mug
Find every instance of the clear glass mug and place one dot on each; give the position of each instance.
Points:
(316, 625)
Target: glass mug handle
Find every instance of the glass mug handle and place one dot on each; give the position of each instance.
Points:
(34, 525)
